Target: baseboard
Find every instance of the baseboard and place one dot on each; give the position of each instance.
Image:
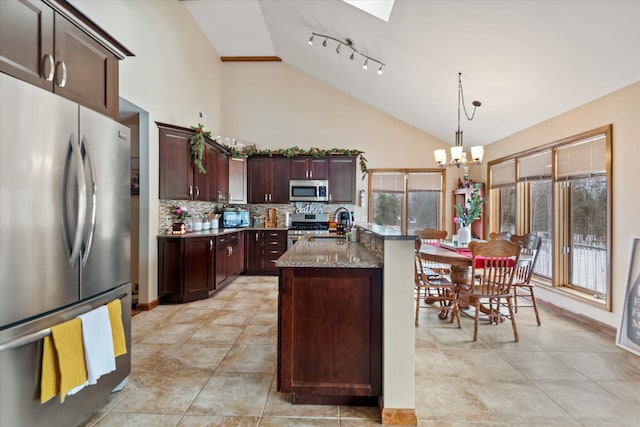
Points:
(399, 417)
(148, 306)
(602, 327)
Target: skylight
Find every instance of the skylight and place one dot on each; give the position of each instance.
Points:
(379, 8)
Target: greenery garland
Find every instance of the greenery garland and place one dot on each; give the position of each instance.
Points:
(196, 146)
(252, 150)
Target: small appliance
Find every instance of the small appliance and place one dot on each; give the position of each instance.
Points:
(308, 190)
(235, 219)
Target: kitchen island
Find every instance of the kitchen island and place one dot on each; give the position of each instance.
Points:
(345, 325)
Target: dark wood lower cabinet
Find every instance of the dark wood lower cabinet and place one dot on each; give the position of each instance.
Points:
(330, 335)
(185, 269)
(193, 268)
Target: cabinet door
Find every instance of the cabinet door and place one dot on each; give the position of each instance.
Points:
(222, 253)
(26, 41)
(259, 173)
(279, 180)
(222, 174)
(176, 172)
(170, 269)
(253, 248)
(342, 179)
(238, 180)
(211, 156)
(85, 71)
(304, 167)
(197, 252)
(201, 180)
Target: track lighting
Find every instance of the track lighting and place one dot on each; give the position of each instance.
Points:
(350, 45)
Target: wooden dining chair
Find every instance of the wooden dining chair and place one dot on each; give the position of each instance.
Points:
(431, 235)
(522, 287)
(432, 289)
(493, 270)
(505, 235)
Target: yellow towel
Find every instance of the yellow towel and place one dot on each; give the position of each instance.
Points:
(117, 329)
(50, 375)
(67, 338)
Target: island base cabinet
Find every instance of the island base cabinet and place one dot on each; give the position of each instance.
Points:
(330, 335)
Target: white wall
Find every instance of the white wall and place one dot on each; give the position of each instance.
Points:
(174, 75)
(275, 106)
(622, 109)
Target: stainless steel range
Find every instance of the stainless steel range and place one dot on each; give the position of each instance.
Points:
(302, 224)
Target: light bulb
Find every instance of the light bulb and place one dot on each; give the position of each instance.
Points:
(365, 66)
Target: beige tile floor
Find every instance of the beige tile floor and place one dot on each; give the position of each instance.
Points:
(213, 363)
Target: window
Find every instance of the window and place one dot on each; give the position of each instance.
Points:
(408, 200)
(502, 195)
(562, 193)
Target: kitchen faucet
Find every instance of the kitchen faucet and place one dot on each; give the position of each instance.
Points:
(337, 217)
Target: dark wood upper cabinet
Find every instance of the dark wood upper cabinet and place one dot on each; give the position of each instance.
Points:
(342, 179)
(26, 42)
(85, 71)
(176, 171)
(179, 178)
(303, 167)
(268, 179)
(58, 50)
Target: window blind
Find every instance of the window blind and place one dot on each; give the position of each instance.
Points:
(503, 173)
(535, 166)
(427, 181)
(582, 158)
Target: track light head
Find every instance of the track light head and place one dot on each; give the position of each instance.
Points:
(365, 66)
(353, 55)
(311, 40)
(324, 43)
(338, 49)
(380, 69)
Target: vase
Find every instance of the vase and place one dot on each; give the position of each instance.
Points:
(464, 235)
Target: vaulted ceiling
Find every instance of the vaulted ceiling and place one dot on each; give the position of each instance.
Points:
(526, 61)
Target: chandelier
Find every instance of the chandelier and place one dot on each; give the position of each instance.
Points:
(458, 155)
(348, 43)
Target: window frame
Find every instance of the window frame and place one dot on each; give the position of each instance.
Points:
(561, 270)
(404, 224)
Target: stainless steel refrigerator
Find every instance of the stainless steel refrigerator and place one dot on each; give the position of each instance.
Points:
(64, 241)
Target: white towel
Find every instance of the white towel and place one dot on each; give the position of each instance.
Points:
(98, 343)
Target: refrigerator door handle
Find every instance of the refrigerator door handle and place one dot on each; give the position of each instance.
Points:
(87, 160)
(73, 248)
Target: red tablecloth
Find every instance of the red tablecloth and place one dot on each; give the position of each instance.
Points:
(479, 259)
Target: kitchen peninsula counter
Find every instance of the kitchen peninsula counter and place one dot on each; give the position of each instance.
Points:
(345, 325)
(328, 253)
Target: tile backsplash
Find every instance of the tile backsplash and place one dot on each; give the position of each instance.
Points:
(166, 216)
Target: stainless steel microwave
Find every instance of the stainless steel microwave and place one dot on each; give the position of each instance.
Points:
(235, 219)
(309, 190)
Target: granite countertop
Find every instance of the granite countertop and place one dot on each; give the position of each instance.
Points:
(328, 253)
(384, 232)
(216, 232)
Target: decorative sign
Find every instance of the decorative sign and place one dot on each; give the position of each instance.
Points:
(629, 331)
(308, 208)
